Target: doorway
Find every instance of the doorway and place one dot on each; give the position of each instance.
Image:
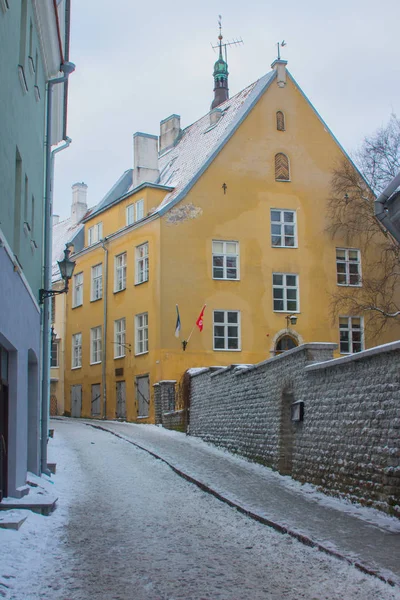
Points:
(143, 395)
(284, 343)
(3, 422)
(76, 400)
(121, 400)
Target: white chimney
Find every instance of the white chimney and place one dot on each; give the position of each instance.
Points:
(145, 158)
(55, 219)
(279, 66)
(170, 129)
(79, 202)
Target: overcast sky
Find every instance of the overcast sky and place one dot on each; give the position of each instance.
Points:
(139, 62)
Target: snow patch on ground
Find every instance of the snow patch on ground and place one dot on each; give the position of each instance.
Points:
(307, 490)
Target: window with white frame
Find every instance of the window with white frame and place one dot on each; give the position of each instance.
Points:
(139, 210)
(141, 333)
(135, 212)
(119, 338)
(76, 350)
(77, 296)
(351, 331)
(97, 282)
(142, 263)
(285, 292)
(54, 354)
(226, 329)
(348, 266)
(283, 228)
(225, 260)
(95, 345)
(95, 234)
(120, 272)
(130, 214)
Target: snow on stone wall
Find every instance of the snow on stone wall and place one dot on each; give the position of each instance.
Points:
(348, 442)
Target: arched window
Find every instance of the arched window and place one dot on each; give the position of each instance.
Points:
(286, 342)
(280, 121)
(282, 167)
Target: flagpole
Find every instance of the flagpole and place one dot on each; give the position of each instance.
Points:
(185, 342)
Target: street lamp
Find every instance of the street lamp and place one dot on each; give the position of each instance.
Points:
(66, 267)
(292, 319)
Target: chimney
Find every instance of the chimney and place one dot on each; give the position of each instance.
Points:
(55, 219)
(215, 116)
(170, 129)
(279, 66)
(79, 202)
(145, 158)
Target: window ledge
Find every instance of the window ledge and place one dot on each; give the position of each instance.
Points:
(31, 65)
(119, 357)
(359, 285)
(22, 79)
(283, 180)
(285, 247)
(227, 349)
(74, 368)
(143, 417)
(95, 363)
(4, 5)
(141, 282)
(118, 291)
(141, 353)
(77, 305)
(225, 279)
(96, 299)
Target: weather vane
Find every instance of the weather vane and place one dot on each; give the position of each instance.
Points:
(280, 45)
(220, 45)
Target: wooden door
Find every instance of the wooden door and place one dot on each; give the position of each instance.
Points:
(121, 400)
(143, 395)
(3, 439)
(96, 400)
(76, 400)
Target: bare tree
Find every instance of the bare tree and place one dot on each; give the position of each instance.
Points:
(351, 219)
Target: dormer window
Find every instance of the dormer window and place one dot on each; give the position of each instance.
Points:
(95, 234)
(135, 212)
(280, 121)
(282, 172)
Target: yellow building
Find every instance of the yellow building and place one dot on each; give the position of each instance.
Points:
(230, 213)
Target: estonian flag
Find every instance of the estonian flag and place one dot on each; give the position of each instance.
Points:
(178, 323)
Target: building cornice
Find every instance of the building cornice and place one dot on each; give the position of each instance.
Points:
(140, 187)
(116, 235)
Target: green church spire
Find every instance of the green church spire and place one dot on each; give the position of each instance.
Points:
(221, 90)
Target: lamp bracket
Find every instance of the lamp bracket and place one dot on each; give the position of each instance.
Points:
(50, 293)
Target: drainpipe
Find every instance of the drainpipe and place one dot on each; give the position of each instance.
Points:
(104, 348)
(67, 69)
(381, 204)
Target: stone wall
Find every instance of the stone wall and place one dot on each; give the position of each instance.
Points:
(348, 441)
(164, 401)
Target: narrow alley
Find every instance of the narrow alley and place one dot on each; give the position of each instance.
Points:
(128, 527)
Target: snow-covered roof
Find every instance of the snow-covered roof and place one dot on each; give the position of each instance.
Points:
(181, 166)
(63, 232)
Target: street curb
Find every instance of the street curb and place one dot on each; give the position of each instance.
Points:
(280, 528)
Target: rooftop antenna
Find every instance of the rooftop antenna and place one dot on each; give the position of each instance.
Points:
(280, 45)
(220, 45)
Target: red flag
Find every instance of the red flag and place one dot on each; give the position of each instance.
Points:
(199, 321)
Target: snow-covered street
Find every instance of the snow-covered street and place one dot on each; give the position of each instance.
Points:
(128, 527)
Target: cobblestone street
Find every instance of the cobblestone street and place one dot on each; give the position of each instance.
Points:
(127, 527)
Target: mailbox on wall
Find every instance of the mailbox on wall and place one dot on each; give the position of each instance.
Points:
(298, 411)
